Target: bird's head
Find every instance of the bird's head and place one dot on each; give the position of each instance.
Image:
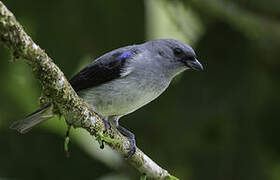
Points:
(175, 55)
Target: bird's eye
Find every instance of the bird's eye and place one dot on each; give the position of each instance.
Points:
(177, 51)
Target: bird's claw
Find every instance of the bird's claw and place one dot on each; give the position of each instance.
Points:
(131, 139)
(107, 125)
(132, 148)
(105, 120)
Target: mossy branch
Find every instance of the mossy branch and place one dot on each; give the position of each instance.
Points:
(57, 90)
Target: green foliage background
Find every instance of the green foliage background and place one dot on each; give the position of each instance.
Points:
(219, 124)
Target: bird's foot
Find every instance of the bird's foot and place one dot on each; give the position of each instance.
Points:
(102, 137)
(132, 148)
(107, 124)
(131, 139)
(105, 138)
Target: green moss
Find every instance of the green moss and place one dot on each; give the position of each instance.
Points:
(170, 177)
(143, 177)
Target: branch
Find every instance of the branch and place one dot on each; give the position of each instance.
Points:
(57, 89)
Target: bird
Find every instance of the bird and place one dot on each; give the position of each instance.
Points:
(124, 80)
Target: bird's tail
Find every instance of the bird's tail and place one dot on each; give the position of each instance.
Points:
(33, 119)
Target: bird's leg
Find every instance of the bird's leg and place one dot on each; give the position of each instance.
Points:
(106, 123)
(130, 136)
(104, 119)
(131, 139)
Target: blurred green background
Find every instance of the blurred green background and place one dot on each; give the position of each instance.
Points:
(219, 124)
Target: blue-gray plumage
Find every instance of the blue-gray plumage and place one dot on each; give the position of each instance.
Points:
(125, 79)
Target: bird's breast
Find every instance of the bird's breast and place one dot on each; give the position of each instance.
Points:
(124, 95)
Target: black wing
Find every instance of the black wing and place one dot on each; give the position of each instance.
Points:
(103, 69)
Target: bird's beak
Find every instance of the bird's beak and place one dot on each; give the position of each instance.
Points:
(195, 65)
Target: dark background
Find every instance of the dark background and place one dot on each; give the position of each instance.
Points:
(222, 123)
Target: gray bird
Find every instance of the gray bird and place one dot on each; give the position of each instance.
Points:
(123, 80)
